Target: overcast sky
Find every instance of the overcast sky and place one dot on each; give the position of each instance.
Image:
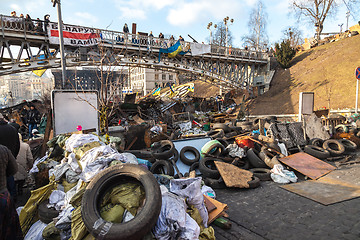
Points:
(177, 17)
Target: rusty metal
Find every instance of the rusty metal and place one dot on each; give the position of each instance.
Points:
(326, 190)
(307, 165)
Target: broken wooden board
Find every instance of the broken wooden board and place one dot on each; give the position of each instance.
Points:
(326, 190)
(234, 176)
(209, 205)
(307, 165)
(220, 208)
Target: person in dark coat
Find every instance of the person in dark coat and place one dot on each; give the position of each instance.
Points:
(46, 22)
(33, 119)
(9, 219)
(125, 28)
(9, 138)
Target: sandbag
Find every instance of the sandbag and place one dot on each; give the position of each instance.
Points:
(129, 195)
(78, 229)
(28, 215)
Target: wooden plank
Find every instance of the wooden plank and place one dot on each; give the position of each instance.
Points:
(234, 176)
(220, 207)
(307, 165)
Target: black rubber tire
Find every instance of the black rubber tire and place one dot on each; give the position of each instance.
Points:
(219, 151)
(271, 119)
(245, 165)
(145, 219)
(164, 165)
(194, 166)
(255, 161)
(215, 183)
(175, 157)
(208, 172)
(231, 135)
(262, 173)
(316, 142)
(254, 183)
(223, 142)
(348, 144)
(222, 126)
(217, 133)
(316, 151)
(45, 214)
(163, 150)
(334, 147)
(186, 160)
(143, 154)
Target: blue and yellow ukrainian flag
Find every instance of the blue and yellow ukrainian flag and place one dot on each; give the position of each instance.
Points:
(173, 50)
(156, 92)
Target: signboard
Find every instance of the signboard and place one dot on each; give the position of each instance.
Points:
(306, 104)
(357, 73)
(74, 35)
(71, 109)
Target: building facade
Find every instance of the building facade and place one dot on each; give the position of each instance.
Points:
(144, 80)
(15, 88)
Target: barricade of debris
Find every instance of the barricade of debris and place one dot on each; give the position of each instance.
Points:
(153, 175)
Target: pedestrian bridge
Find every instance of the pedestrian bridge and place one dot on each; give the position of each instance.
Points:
(24, 48)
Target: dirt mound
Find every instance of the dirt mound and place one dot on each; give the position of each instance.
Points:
(327, 70)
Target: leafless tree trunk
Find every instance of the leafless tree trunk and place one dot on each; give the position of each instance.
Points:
(257, 37)
(220, 35)
(317, 11)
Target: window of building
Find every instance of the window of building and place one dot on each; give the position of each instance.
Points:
(156, 76)
(170, 77)
(163, 77)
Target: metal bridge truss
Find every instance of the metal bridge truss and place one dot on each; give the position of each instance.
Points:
(227, 67)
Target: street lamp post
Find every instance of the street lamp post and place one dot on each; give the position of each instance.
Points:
(61, 40)
(226, 28)
(209, 28)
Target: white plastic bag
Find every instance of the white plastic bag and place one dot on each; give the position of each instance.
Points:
(64, 219)
(35, 232)
(172, 218)
(235, 151)
(77, 140)
(56, 199)
(192, 230)
(208, 191)
(280, 175)
(190, 189)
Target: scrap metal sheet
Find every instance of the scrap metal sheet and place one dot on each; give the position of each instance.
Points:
(326, 190)
(307, 165)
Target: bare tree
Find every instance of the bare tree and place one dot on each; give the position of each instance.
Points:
(317, 11)
(294, 35)
(109, 82)
(257, 37)
(220, 35)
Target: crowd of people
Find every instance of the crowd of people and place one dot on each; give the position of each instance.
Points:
(38, 26)
(15, 162)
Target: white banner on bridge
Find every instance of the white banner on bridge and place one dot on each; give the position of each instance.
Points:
(74, 35)
(198, 48)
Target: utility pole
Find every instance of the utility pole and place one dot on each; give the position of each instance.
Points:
(61, 41)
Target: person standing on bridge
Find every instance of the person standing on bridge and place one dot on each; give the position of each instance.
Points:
(29, 23)
(46, 22)
(126, 32)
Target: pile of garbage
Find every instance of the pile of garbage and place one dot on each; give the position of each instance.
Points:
(148, 181)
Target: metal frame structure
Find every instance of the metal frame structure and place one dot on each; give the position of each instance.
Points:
(224, 66)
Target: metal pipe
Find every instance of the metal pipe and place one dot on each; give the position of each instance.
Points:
(61, 40)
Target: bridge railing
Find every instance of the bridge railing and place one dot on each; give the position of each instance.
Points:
(36, 27)
(18, 24)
